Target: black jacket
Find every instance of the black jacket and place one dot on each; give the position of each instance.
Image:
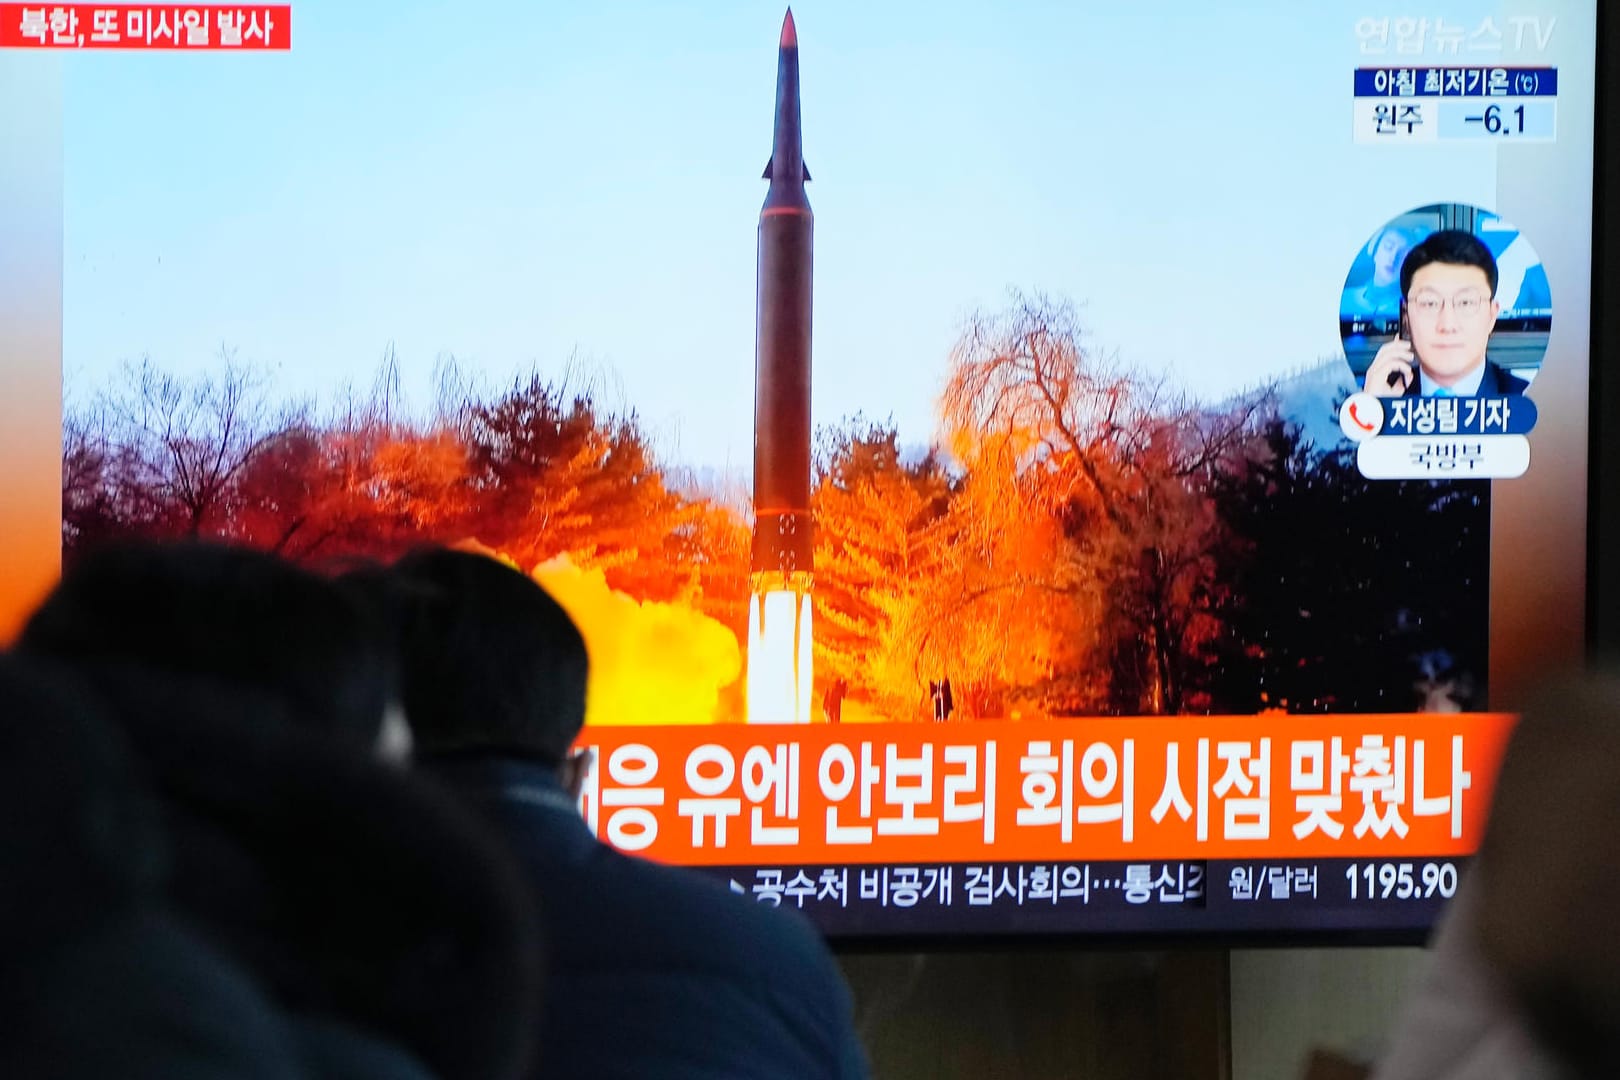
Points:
(374, 912)
(657, 971)
(99, 977)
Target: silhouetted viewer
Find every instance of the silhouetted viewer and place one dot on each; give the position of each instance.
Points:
(392, 934)
(101, 978)
(1524, 975)
(655, 971)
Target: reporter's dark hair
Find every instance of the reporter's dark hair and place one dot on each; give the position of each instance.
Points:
(224, 615)
(1450, 247)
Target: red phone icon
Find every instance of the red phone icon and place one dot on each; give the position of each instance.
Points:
(1356, 420)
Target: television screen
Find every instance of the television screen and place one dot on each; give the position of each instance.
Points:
(1018, 469)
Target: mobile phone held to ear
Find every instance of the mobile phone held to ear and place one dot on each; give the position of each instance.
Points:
(1404, 333)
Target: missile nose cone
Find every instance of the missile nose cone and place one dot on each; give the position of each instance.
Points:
(786, 166)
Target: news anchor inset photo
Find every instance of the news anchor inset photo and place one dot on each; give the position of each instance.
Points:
(1445, 301)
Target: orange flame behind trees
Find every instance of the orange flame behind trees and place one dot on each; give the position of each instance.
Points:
(927, 576)
(539, 473)
(872, 555)
(1010, 612)
(1058, 555)
(553, 475)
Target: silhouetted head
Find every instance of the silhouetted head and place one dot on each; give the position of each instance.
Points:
(1546, 909)
(241, 621)
(1448, 283)
(489, 661)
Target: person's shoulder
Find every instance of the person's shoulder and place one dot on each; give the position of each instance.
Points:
(706, 904)
(665, 929)
(1507, 383)
(627, 913)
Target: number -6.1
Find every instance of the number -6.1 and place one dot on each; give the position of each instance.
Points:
(1493, 119)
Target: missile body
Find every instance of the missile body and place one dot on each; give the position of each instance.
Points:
(783, 538)
(780, 650)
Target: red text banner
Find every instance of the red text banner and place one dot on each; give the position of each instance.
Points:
(229, 28)
(1272, 787)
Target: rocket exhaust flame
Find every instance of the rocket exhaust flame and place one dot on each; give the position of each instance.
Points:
(779, 655)
(779, 623)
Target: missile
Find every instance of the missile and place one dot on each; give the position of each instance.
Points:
(782, 526)
(783, 539)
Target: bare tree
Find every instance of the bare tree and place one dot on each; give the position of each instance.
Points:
(1119, 460)
(183, 442)
(1024, 383)
(93, 500)
(1023, 386)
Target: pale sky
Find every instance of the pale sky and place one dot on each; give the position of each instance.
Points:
(514, 185)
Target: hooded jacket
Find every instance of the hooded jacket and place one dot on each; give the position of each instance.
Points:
(374, 912)
(101, 978)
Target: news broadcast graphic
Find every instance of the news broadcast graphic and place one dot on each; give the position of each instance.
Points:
(1008, 545)
(1096, 823)
(1425, 104)
(1479, 305)
(1446, 81)
(128, 26)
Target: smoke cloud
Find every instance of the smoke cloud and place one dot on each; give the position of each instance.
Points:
(651, 663)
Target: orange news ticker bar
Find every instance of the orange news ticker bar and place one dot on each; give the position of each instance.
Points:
(1272, 787)
(117, 26)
